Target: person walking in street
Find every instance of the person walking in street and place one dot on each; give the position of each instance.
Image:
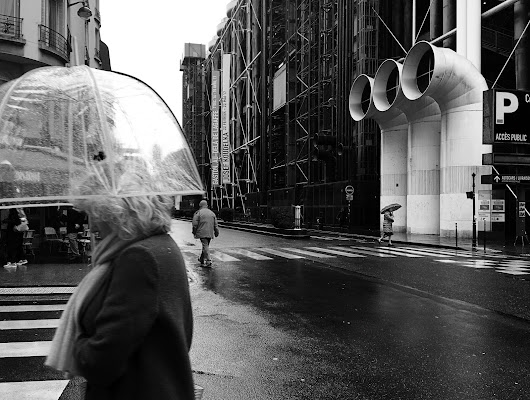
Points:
(205, 228)
(387, 227)
(127, 328)
(74, 220)
(17, 224)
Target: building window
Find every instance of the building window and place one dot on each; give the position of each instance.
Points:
(10, 23)
(54, 15)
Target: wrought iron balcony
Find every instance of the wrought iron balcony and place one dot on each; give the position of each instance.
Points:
(10, 26)
(54, 41)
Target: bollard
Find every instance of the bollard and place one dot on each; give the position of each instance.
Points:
(484, 235)
(297, 217)
(456, 234)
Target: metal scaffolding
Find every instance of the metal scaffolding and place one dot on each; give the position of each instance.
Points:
(238, 37)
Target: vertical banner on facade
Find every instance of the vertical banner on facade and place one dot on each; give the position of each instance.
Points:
(225, 119)
(214, 161)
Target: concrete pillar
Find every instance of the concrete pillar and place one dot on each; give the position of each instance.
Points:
(461, 27)
(522, 53)
(449, 22)
(435, 19)
(474, 32)
(394, 151)
(423, 170)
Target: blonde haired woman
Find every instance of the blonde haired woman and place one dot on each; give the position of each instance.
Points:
(128, 327)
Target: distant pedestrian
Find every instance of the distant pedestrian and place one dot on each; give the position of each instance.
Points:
(341, 217)
(17, 224)
(74, 220)
(205, 228)
(387, 227)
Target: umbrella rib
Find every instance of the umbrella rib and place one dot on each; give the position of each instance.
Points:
(103, 121)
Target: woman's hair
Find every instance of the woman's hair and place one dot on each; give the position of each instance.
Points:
(123, 197)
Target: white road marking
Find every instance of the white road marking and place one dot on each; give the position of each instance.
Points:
(24, 349)
(336, 252)
(365, 250)
(29, 324)
(279, 253)
(32, 390)
(249, 254)
(37, 290)
(33, 307)
(217, 255)
(307, 253)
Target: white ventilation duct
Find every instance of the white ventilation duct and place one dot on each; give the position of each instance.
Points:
(457, 86)
(394, 131)
(423, 155)
(423, 147)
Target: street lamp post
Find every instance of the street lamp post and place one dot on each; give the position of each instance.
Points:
(474, 242)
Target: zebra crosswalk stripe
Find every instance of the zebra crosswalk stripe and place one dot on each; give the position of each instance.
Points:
(396, 252)
(448, 253)
(364, 250)
(33, 307)
(38, 390)
(29, 324)
(24, 349)
(308, 253)
(280, 253)
(249, 254)
(420, 252)
(217, 255)
(336, 252)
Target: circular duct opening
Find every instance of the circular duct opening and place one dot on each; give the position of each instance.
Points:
(360, 97)
(386, 85)
(418, 70)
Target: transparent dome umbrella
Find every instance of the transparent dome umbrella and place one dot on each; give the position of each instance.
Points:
(58, 123)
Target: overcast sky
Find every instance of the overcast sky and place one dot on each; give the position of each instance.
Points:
(148, 41)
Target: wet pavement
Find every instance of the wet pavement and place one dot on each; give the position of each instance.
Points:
(328, 335)
(346, 326)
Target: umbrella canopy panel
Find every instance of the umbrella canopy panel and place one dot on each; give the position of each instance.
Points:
(391, 207)
(58, 123)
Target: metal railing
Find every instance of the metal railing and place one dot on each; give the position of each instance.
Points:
(10, 26)
(497, 41)
(48, 38)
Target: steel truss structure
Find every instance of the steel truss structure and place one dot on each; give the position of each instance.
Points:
(238, 36)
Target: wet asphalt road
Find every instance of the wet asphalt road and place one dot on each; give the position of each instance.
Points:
(349, 328)
(341, 327)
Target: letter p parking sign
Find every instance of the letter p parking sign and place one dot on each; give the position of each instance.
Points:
(504, 103)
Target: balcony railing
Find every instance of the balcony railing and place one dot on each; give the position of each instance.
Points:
(52, 40)
(11, 26)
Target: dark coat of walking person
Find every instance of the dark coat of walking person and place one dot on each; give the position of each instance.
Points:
(15, 238)
(205, 227)
(74, 220)
(387, 227)
(127, 328)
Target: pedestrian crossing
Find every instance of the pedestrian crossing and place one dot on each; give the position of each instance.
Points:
(26, 331)
(510, 265)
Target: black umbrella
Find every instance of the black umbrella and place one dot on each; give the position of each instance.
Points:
(391, 207)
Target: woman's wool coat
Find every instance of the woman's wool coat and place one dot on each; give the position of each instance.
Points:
(137, 330)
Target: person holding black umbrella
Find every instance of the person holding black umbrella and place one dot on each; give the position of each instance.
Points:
(388, 213)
